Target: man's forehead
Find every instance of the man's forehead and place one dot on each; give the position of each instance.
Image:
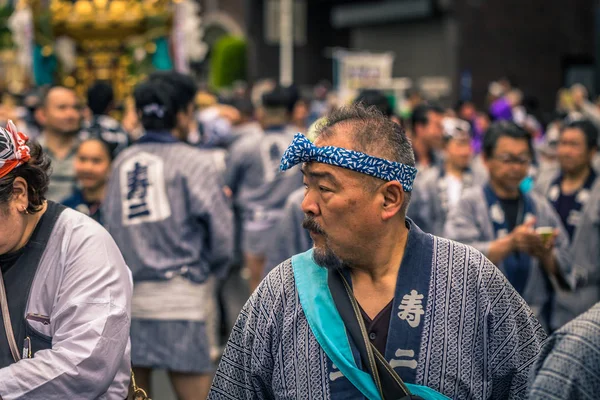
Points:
(61, 95)
(513, 144)
(324, 170)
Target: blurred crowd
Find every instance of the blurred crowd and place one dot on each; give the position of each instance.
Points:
(251, 215)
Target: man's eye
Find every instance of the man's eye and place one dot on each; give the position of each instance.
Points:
(324, 189)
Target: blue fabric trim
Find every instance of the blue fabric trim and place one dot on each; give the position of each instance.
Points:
(303, 150)
(157, 137)
(328, 327)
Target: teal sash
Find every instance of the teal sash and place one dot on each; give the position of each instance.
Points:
(326, 324)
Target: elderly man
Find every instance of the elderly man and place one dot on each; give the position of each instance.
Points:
(574, 192)
(376, 302)
(500, 220)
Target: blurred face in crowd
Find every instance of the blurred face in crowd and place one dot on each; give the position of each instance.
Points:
(482, 122)
(467, 111)
(61, 112)
(509, 163)
(343, 209)
(184, 122)
(433, 131)
(300, 113)
(459, 152)
(92, 164)
(572, 150)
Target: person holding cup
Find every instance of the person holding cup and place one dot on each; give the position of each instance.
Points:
(500, 220)
(574, 192)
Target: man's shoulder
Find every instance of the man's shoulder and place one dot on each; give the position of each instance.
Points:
(469, 261)
(470, 194)
(278, 285)
(586, 326)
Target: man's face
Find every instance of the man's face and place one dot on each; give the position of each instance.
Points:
(433, 131)
(61, 113)
(509, 163)
(341, 213)
(459, 152)
(573, 153)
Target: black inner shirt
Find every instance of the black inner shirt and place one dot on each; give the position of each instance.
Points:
(377, 328)
(7, 261)
(511, 212)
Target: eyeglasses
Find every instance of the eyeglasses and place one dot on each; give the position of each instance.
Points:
(510, 159)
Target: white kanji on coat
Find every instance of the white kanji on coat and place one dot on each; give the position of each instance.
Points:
(335, 374)
(411, 308)
(405, 359)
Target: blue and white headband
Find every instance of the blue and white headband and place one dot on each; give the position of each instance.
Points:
(303, 150)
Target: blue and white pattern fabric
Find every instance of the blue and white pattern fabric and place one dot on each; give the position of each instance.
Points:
(303, 150)
(567, 368)
(471, 336)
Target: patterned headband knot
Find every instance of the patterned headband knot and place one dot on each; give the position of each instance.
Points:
(13, 149)
(303, 150)
(154, 109)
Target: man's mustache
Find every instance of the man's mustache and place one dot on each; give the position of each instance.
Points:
(311, 225)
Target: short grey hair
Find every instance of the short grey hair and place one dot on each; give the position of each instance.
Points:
(373, 134)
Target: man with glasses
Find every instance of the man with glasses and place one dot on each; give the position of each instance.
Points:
(574, 192)
(520, 233)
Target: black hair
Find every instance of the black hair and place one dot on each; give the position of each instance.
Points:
(111, 148)
(281, 97)
(589, 130)
(35, 172)
(184, 85)
(161, 97)
(99, 97)
(420, 115)
(154, 102)
(501, 129)
(244, 106)
(377, 99)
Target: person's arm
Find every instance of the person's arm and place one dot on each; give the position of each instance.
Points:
(90, 325)
(236, 166)
(246, 367)
(554, 257)
(212, 208)
(500, 248)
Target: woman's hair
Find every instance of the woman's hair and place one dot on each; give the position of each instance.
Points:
(161, 97)
(35, 172)
(111, 148)
(154, 102)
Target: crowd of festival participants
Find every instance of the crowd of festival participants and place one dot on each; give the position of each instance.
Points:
(434, 253)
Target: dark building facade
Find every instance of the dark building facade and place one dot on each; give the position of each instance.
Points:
(540, 44)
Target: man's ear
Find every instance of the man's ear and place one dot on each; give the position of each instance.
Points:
(393, 199)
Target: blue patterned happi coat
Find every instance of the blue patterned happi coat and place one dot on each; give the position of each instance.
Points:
(457, 326)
